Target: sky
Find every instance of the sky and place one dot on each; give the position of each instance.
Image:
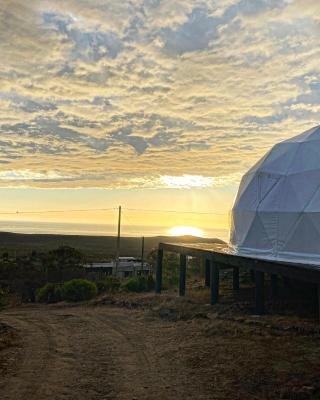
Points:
(151, 104)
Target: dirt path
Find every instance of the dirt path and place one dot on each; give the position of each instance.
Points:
(106, 352)
(85, 353)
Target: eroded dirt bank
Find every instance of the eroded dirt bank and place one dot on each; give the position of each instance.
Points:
(107, 352)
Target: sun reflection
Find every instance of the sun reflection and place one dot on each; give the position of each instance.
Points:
(186, 230)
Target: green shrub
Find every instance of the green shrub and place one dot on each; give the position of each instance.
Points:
(49, 293)
(3, 298)
(79, 290)
(110, 284)
(170, 282)
(133, 285)
(139, 284)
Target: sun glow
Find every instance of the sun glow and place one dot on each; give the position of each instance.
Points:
(186, 230)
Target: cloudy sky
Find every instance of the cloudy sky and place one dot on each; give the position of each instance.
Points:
(149, 103)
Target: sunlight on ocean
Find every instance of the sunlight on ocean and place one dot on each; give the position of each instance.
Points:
(97, 229)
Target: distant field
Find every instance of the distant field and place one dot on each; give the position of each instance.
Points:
(94, 247)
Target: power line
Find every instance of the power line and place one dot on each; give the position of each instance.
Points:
(109, 209)
(56, 211)
(175, 211)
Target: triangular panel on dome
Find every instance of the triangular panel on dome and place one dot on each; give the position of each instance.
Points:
(299, 190)
(314, 203)
(245, 182)
(248, 197)
(241, 224)
(266, 183)
(286, 225)
(269, 221)
(306, 158)
(304, 237)
(271, 195)
(315, 218)
(257, 237)
(258, 164)
(280, 158)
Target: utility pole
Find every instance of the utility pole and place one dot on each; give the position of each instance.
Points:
(142, 254)
(118, 240)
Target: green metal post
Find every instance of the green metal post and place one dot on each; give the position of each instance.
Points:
(259, 292)
(159, 271)
(182, 277)
(235, 278)
(207, 273)
(214, 282)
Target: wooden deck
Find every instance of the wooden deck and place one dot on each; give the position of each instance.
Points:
(219, 256)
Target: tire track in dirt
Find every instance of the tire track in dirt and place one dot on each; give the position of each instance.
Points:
(38, 360)
(91, 353)
(130, 370)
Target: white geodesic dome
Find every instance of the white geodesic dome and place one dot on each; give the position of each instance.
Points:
(276, 214)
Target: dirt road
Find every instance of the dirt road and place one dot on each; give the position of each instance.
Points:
(87, 353)
(106, 352)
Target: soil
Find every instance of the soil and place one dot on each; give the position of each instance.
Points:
(151, 347)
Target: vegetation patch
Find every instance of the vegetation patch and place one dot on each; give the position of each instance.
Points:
(3, 298)
(111, 284)
(49, 293)
(78, 290)
(139, 284)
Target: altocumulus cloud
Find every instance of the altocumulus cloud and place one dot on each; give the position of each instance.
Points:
(152, 93)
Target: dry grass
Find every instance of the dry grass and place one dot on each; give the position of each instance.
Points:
(233, 353)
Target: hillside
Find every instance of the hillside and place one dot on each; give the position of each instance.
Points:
(94, 247)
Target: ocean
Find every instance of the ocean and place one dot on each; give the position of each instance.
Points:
(97, 229)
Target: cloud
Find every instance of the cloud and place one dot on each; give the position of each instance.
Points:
(86, 45)
(27, 104)
(193, 35)
(118, 94)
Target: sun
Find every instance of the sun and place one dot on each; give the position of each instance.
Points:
(185, 230)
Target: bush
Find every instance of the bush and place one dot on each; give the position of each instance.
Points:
(49, 293)
(139, 284)
(79, 290)
(3, 298)
(109, 285)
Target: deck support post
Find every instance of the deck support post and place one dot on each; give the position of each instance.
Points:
(182, 276)
(207, 273)
(259, 293)
(235, 278)
(274, 286)
(159, 271)
(214, 282)
(318, 301)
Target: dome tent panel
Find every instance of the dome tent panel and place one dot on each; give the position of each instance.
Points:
(315, 219)
(257, 235)
(241, 223)
(249, 193)
(300, 190)
(271, 199)
(313, 205)
(267, 183)
(306, 157)
(280, 158)
(286, 224)
(245, 182)
(258, 164)
(304, 236)
(270, 221)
